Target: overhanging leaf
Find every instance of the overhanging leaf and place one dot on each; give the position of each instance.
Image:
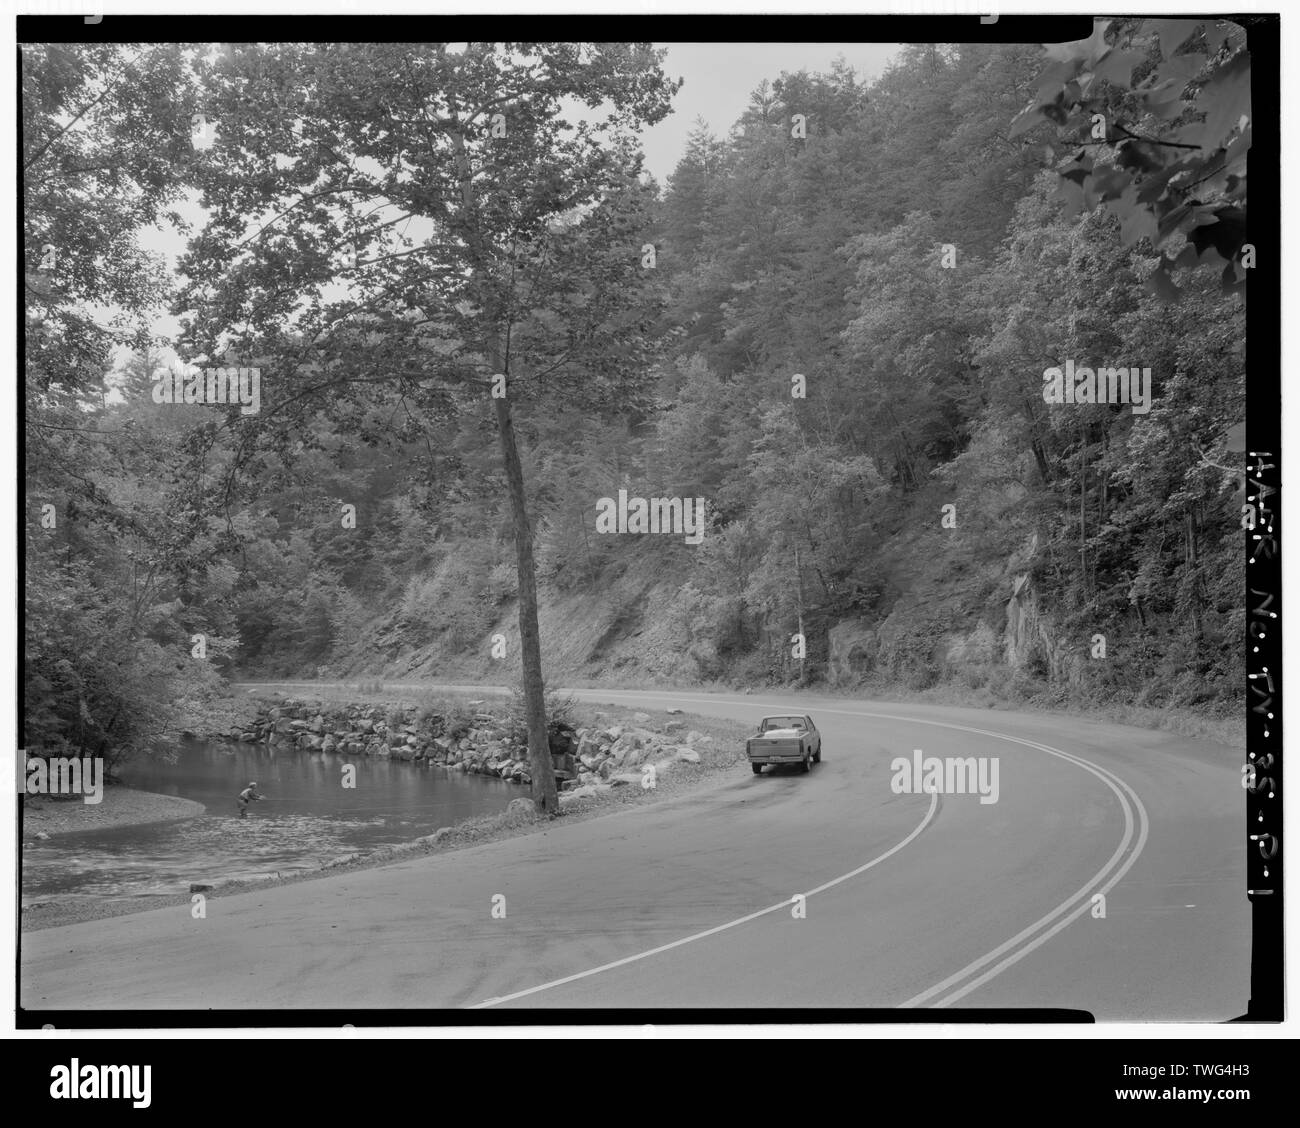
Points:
(1224, 235)
(1026, 120)
(1176, 72)
(1135, 222)
(1109, 182)
(1173, 33)
(1135, 155)
(1226, 98)
(1163, 286)
(1153, 186)
(1117, 66)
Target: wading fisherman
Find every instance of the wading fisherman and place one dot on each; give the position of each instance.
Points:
(248, 795)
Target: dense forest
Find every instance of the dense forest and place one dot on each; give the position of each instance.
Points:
(831, 324)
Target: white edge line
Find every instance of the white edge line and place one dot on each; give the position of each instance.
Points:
(1109, 778)
(934, 804)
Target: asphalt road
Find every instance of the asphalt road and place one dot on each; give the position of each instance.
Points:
(910, 900)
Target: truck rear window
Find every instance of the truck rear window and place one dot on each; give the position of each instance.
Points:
(782, 723)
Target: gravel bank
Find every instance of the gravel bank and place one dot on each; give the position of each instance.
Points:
(45, 815)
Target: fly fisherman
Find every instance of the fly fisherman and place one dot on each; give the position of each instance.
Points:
(248, 795)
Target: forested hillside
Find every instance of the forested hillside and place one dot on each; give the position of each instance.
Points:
(834, 332)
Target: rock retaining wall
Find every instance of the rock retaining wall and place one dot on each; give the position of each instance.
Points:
(482, 743)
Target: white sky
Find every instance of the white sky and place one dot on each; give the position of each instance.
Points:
(719, 78)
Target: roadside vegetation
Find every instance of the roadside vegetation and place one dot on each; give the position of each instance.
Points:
(836, 338)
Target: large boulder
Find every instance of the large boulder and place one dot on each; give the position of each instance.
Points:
(621, 749)
(590, 791)
(661, 768)
(619, 779)
(641, 755)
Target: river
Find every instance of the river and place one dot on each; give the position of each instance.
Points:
(307, 819)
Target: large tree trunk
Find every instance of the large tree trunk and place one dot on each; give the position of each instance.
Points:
(545, 796)
(542, 769)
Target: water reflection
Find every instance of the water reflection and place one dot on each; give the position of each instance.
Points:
(308, 818)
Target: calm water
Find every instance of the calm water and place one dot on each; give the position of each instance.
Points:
(308, 818)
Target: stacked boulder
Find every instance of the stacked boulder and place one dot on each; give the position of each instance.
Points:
(397, 732)
(619, 754)
(487, 745)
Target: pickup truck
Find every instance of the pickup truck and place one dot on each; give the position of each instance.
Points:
(785, 739)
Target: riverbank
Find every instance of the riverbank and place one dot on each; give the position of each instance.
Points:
(695, 751)
(45, 816)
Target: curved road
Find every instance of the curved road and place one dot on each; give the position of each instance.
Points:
(911, 900)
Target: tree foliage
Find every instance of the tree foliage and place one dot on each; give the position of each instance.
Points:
(1159, 113)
